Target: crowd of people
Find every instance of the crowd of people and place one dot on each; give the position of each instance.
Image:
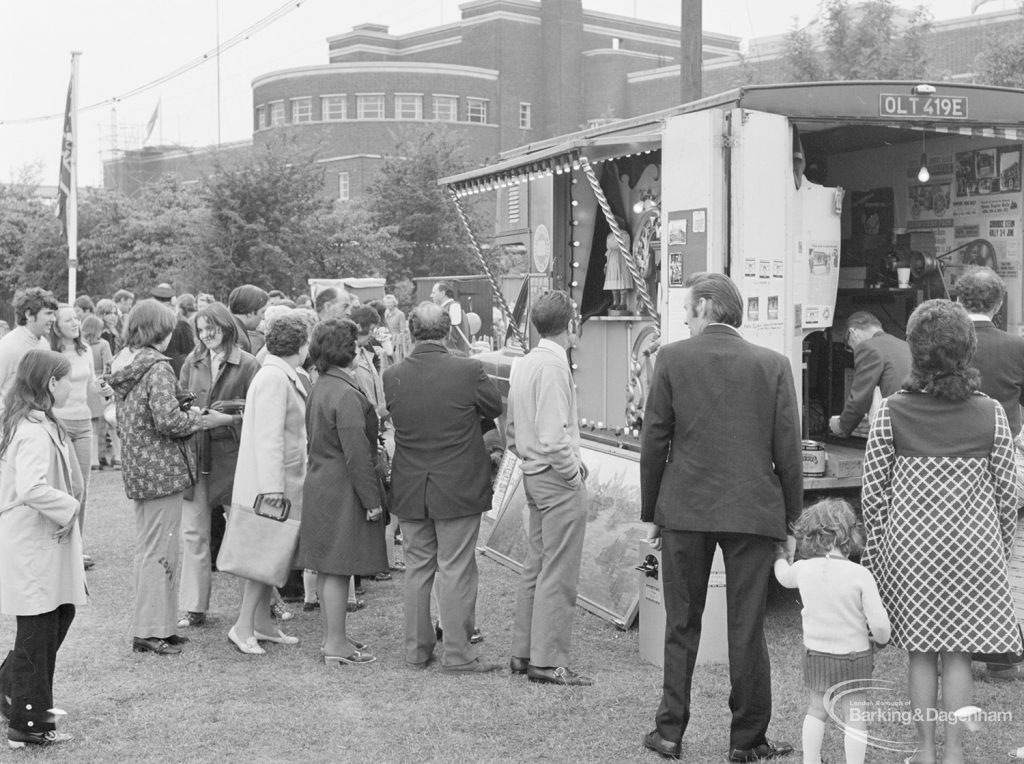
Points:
(351, 419)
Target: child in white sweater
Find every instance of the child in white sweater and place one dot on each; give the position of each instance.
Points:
(843, 618)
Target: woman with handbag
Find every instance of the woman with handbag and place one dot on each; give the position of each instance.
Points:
(158, 466)
(219, 373)
(342, 533)
(41, 575)
(269, 474)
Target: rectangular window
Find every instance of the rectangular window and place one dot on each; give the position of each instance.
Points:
(446, 108)
(370, 107)
(333, 108)
(525, 116)
(302, 110)
(408, 107)
(343, 187)
(277, 113)
(476, 110)
(261, 117)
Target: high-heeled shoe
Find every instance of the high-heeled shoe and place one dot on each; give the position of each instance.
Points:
(355, 658)
(249, 646)
(280, 639)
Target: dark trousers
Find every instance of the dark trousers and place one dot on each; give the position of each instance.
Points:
(26, 675)
(686, 568)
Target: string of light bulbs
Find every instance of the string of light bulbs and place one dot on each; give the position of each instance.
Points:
(210, 55)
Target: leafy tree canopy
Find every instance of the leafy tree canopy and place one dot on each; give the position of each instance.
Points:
(869, 40)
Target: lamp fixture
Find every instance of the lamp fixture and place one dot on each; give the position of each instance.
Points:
(923, 175)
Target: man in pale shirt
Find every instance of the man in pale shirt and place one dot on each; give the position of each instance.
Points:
(542, 429)
(35, 309)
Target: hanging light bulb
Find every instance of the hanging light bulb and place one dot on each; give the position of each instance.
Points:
(923, 175)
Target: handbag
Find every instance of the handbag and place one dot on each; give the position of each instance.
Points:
(1005, 659)
(259, 542)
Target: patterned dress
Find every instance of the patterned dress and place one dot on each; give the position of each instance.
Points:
(940, 509)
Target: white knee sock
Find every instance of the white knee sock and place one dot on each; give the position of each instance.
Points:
(813, 734)
(855, 743)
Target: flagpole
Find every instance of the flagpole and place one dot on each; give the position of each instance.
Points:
(72, 212)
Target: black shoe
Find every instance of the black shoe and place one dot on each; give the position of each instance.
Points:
(309, 607)
(653, 741)
(174, 639)
(767, 750)
(352, 607)
(154, 645)
(518, 665)
(558, 675)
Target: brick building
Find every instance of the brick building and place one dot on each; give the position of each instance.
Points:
(508, 73)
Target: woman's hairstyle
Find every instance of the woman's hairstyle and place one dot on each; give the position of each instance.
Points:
(92, 328)
(217, 314)
(85, 304)
(273, 313)
(552, 313)
(365, 318)
(942, 343)
(149, 323)
(828, 524)
(247, 298)
(286, 335)
(187, 303)
(333, 343)
(31, 391)
(723, 294)
(57, 339)
(105, 306)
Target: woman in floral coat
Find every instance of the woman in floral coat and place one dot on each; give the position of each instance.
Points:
(157, 467)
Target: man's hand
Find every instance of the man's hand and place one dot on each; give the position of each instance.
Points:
(653, 536)
(64, 531)
(373, 514)
(833, 426)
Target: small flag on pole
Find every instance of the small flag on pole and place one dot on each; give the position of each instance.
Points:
(152, 121)
(67, 143)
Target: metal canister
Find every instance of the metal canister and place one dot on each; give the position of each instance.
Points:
(814, 458)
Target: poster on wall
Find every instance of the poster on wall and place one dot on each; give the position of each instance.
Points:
(687, 244)
(988, 171)
(928, 205)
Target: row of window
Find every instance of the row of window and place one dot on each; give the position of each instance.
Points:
(408, 106)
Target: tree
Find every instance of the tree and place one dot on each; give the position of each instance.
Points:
(266, 219)
(872, 40)
(31, 250)
(1002, 62)
(406, 199)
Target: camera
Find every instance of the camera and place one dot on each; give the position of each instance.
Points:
(185, 400)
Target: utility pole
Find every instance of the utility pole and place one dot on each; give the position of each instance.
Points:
(691, 49)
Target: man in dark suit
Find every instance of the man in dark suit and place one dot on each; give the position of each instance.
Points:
(182, 338)
(441, 485)
(879, 360)
(1000, 359)
(720, 465)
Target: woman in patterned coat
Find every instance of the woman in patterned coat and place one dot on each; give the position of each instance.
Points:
(158, 466)
(940, 509)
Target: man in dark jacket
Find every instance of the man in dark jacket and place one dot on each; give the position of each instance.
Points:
(441, 485)
(879, 360)
(720, 465)
(1000, 359)
(182, 339)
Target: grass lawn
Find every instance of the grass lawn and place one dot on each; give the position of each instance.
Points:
(215, 704)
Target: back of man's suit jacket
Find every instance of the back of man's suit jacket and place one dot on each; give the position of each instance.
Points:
(720, 448)
(437, 401)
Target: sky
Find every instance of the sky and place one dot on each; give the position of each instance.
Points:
(127, 44)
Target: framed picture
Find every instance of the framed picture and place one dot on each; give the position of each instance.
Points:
(608, 579)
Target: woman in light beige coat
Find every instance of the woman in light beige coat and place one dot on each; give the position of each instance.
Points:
(42, 578)
(271, 462)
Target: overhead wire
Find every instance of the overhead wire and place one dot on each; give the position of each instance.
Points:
(210, 55)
